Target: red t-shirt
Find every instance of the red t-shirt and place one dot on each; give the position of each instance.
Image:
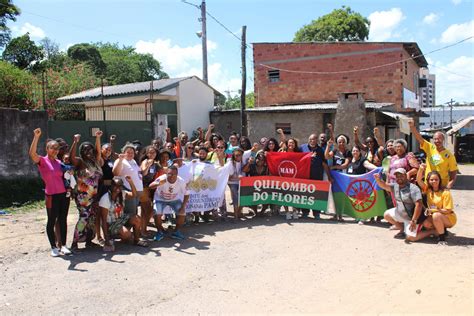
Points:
(52, 175)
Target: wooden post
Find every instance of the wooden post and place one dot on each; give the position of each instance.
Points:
(243, 115)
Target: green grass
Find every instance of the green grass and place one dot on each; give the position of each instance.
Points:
(29, 206)
(21, 193)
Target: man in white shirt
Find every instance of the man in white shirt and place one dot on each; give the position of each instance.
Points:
(170, 189)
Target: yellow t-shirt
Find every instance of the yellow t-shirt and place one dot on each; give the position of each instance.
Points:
(443, 162)
(440, 199)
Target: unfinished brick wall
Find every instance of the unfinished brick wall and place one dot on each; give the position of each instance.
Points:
(384, 84)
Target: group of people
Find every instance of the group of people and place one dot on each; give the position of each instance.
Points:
(108, 187)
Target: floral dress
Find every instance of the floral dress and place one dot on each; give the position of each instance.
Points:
(86, 201)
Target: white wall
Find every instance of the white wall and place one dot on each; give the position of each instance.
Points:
(195, 101)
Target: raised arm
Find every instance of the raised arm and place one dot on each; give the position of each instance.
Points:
(200, 137)
(381, 183)
(378, 138)
(98, 148)
(210, 128)
(419, 177)
(117, 168)
(34, 146)
(72, 152)
(415, 132)
(331, 131)
(356, 139)
(281, 135)
(112, 143)
(168, 135)
(328, 153)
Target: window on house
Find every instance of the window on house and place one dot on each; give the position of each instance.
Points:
(286, 127)
(274, 75)
(406, 68)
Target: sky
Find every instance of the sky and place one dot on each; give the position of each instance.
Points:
(167, 29)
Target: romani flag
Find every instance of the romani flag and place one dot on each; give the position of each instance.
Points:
(289, 165)
(358, 196)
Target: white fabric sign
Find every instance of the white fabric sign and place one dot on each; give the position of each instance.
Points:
(206, 185)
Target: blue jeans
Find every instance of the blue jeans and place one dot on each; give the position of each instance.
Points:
(159, 206)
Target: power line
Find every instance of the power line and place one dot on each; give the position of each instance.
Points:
(451, 72)
(364, 69)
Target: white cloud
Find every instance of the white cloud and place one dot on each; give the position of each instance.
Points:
(34, 31)
(384, 23)
(449, 83)
(185, 61)
(456, 2)
(457, 32)
(431, 18)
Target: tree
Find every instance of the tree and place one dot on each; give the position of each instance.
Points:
(125, 65)
(339, 25)
(88, 54)
(50, 48)
(22, 52)
(15, 86)
(233, 102)
(8, 11)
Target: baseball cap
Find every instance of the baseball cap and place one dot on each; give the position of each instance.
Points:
(401, 170)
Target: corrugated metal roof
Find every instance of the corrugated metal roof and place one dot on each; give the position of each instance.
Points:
(123, 89)
(396, 116)
(315, 106)
(305, 107)
(456, 127)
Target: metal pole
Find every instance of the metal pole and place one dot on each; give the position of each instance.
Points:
(204, 41)
(103, 105)
(243, 115)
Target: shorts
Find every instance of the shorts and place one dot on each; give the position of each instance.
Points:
(452, 219)
(234, 193)
(397, 215)
(130, 206)
(116, 227)
(159, 206)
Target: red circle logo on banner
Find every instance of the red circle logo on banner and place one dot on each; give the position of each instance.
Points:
(287, 169)
(362, 195)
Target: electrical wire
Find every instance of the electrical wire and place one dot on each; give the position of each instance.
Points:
(368, 68)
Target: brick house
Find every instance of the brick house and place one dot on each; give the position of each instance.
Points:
(301, 73)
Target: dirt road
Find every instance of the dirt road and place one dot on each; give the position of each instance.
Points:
(265, 265)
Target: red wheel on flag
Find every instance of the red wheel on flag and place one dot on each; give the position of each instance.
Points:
(362, 195)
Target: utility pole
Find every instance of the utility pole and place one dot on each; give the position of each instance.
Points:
(204, 41)
(450, 103)
(203, 35)
(243, 115)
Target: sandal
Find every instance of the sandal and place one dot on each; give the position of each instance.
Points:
(140, 243)
(101, 242)
(400, 235)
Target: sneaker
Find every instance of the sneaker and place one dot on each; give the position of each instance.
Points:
(54, 252)
(159, 236)
(295, 215)
(65, 251)
(288, 216)
(360, 222)
(177, 235)
(317, 215)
